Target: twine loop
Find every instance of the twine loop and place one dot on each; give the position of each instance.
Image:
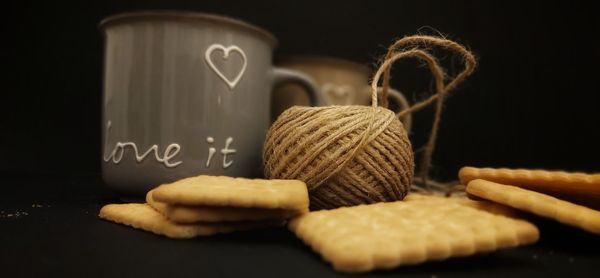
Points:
(402, 48)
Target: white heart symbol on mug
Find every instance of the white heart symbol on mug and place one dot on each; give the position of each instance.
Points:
(226, 52)
(339, 91)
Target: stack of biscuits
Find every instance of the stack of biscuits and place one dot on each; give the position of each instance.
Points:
(207, 205)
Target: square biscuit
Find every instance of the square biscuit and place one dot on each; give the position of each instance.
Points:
(387, 235)
(193, 214)
(537, 203)
(576, 187)
(221, 191)
(144, 217)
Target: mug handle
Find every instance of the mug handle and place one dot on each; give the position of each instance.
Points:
(283, 75)
(403, 104)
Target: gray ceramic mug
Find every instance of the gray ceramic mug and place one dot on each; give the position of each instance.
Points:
(185, 94)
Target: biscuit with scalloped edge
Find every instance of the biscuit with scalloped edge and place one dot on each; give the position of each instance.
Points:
(576, 187)
(388, 235)
(537, 203)
(144, 217)
(485, 205)
(224, 191)
(193, 214)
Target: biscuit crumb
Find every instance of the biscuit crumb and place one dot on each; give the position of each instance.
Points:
(15, 214)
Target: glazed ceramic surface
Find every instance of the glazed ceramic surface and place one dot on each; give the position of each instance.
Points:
(185, 94)
(341, 82)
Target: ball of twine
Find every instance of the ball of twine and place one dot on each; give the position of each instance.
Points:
(350, 155)
(319, 146)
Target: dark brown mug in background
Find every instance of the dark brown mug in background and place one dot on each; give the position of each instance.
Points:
(341, 82)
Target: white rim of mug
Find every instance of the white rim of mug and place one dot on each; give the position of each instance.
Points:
(319, 60)
(187, 16)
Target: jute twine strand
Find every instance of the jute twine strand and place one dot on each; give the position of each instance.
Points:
(441, 88)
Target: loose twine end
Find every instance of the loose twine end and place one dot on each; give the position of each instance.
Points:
(417, 47)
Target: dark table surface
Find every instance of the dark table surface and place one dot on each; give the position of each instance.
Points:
(49, 228)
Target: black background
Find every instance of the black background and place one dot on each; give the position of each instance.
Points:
(533, 101)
